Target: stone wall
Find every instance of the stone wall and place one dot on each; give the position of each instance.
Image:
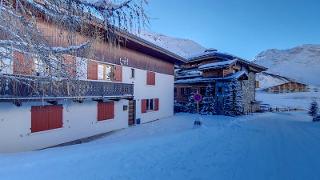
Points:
(248, 88)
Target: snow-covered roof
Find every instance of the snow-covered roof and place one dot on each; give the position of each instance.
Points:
(225, 57)
(210, 53)
(190, 73)
(268, 80)
(236, 75)
(217, 65)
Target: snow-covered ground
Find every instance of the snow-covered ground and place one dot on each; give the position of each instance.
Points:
(260, 146)
(300, 100)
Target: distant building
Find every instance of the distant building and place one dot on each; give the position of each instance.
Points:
(279, 84)
(222, 72)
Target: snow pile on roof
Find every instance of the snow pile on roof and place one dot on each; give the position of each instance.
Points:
(301, 63)
(267, 80)
(188, 73)
(236, 75)
(211, 52)
(217, 65)
(181, 47)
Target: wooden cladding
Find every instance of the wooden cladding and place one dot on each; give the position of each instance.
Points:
(45, 118)
(105, 111)
(103, 51)
(22, 64)
(92, 70)
(151, 78)
(117, 73)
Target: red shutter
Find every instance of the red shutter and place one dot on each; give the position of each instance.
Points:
(70, 64)
(39, 119)
(118, 73)
(105, 110)
(46, 117)
(22, 64)
(143, 106)
(92, 70)
(156, 104)
(151, 78)
(55, 117)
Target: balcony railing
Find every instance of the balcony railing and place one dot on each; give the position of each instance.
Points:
(31, 88)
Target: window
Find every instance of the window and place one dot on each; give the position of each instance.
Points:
(188, 91)
(149, 105)
(45, 118)
(105, 72)
(182, 91)
(132, 73)
(151, 78)
(105, 111)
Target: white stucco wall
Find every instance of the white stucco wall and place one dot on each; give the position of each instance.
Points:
(79, 121)
(163, 89)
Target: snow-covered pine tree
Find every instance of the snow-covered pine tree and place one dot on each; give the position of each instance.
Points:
(208, 103)
(313, 110)
(233, 98)
(191, 106)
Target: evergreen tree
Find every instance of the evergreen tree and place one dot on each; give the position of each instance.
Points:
(313, 110)
(191, 106)
(208, 102)
(233, 98)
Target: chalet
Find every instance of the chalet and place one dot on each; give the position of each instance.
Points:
(116, 88)
(273, 83)
(223, 72)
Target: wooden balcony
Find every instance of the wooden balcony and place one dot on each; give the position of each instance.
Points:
(28, 88)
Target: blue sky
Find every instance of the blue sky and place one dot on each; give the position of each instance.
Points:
(240, 27)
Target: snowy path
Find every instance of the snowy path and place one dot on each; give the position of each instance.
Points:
(264, 146)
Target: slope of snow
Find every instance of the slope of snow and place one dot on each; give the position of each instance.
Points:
(267, 80)
(261, 146)
(181, 47)
(301, 63)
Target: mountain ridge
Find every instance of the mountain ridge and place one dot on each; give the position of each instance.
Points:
(301, 63)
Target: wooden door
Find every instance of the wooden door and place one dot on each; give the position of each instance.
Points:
(132, 112)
